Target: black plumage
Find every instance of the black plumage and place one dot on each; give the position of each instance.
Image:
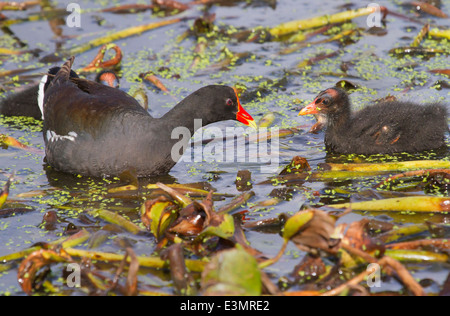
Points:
(96, 130)
(384, 128)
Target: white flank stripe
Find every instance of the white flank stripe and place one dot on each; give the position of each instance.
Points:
(53, 137)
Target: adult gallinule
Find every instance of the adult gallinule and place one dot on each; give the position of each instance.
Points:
(26, 102)
(96, 130)
(384, 128)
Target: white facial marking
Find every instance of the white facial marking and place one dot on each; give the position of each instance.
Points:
(41, 94)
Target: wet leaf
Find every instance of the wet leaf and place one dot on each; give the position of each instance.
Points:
(97, 239)
(441, 71)
(221, 277)
(406, 204)
(274, 224)
(12, 142)
(298, 164)
(435, 244)
(296, 223)
(177, 196)
(293, 48)
(440, 33)
(34, 262)
(311, 268)
(132, 31)
(141, 96)
(311, 230)
(244, 180)
(144, 261)
(414, 51)
(428, 8)
(200, 189)
(114, 218)
(267, 120)
(190, 222)
(129, 8)
(99, 62)
(183, 281)
(170, 5)
(150, 77)
(357, 236)
(417, 173)
(220, 225)
(131, 288)
(124, 188)
(402, 232)
(14, 6)
(417, 256)
(9, 212)
(387, 166)
(157, 215)
(5, 191)
(49, 220)
(204, 24)
(419, 38)
(237, 202)
(294, 26)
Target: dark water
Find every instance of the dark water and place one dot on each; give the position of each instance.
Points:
(371, 67)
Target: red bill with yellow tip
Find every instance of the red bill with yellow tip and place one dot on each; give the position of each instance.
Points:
(310, 109)
(242, 115)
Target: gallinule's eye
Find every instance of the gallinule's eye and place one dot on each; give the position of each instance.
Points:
(230, 102)
(325, 102)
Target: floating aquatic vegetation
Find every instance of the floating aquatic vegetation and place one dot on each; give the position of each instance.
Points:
(435, 32)
(129, 8)
(428, 8)
(407, 204)
(294, 26)
(441, 71)
(9, 141)
(5, 191)
(98, 63)
(13, 6)
(221, 277)
(150, 77)
(197, 237)
(132, 31)
(423, 32)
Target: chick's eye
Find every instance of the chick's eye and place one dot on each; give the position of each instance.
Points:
(230, 102)
(325, 102)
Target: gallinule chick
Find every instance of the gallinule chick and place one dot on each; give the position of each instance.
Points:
(93, 129)
(384, 128)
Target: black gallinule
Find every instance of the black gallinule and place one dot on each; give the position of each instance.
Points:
(22, 103)
(384, 128)
(93, 129)
(27, 102)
